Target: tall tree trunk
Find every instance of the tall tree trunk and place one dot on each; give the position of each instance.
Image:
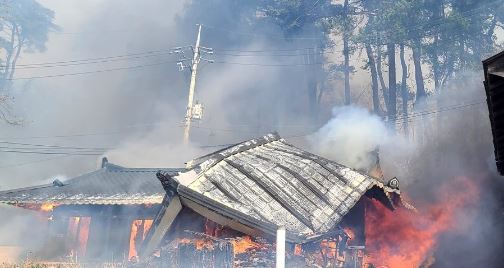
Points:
(404, 90)
(346, 53)
(437, 15)
(435, 64)
(374, 79)
(10, 53)
(392, 109)
(380, 76)
(311, 81)
(450, 65)
(19, 47)
(420, 92)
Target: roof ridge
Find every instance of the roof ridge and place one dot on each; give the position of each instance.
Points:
(207, 161)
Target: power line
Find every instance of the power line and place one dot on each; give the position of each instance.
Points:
(112, 132)
(42, 66)
(38, 149)
(272, 36)
(267, 50)
(269, 65)
(92, 72)
(149, 53)
(36, 161)
(278, 55)
(48, 152)
(55, 146)
(415, 117)
(121, 130)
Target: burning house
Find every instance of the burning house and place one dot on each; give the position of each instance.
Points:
(98, 216)
(251, 191)
(226, 209)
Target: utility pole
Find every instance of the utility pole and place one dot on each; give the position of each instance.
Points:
(194, 111)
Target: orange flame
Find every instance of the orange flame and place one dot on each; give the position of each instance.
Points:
(244, 244)
(402, 238)
(298, 250)
(78, 234)
(199, 244)
(47, 207)
(136, 237)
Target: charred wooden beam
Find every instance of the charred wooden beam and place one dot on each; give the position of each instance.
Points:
(170, 208)
(224, 221)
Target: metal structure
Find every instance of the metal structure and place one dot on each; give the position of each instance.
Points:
(494, 88)
(194, 111)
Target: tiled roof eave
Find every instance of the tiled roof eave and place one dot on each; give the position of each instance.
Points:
(245, 219)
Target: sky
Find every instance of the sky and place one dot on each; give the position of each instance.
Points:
(137, 114)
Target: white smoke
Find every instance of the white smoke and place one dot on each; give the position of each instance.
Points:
(352, 135)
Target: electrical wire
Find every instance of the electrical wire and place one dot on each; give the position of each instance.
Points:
(149, 53)
(47, 152)
(36, 161)
(55, 146)
(268, 65)
(121, 131)
(260, 35)
(92, 72)
(91, 62)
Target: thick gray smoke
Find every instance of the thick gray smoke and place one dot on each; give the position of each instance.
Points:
(449, 138)
(136, 115)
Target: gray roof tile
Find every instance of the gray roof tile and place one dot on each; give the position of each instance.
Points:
(111, 184)
(288, 186)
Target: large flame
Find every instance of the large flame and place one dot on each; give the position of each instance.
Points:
(139, 230)
(78, 234)
(244, 244)
(402, 238)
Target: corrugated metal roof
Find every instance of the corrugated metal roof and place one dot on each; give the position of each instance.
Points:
(266, 182)
(111, 184)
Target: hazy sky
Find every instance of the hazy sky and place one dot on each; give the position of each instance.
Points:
(138, 113)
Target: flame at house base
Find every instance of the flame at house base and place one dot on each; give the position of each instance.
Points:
(406, 238)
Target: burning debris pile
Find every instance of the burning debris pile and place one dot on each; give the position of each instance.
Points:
(229, 248)
(202, 250)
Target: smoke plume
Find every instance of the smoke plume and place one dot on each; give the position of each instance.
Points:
(446, 169)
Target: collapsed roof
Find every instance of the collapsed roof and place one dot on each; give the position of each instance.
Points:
(109, 185)
(265, 183)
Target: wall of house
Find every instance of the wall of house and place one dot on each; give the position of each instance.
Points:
(96, 233)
